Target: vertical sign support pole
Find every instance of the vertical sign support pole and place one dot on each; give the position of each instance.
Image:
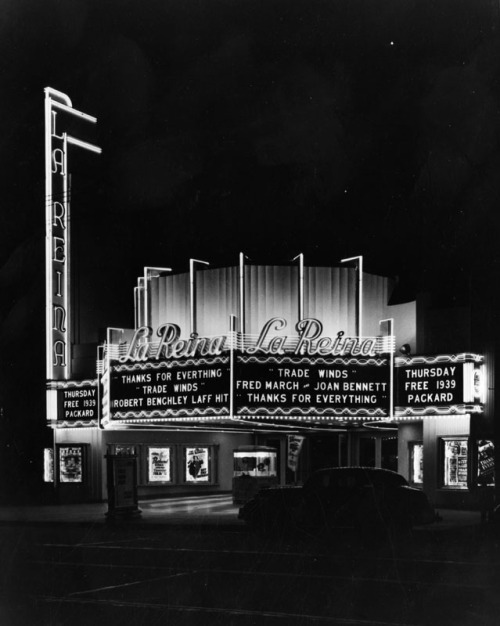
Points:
(242, 294)
(100, 366)
(359, 268)
(192, 291)
(147, 277)
(300, 257)
(390, 347)
(232, 335)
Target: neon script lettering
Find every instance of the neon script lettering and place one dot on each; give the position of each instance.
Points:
(308, 341)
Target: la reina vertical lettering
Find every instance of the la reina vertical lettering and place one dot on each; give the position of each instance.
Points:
(59, 250)
(57, 223)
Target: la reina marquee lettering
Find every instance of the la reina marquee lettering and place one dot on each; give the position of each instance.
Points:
(309, 341)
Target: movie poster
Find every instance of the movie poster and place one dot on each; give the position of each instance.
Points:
(159, 465)
(48, 465)
(294, 447)
(455, 463)
(417, 463)
(485, 462)
(196, 470)
(71, 464)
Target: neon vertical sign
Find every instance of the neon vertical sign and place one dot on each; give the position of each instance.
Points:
(57, 235)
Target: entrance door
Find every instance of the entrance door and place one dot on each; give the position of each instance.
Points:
(327, 451)
(390, 453)
(367, 451)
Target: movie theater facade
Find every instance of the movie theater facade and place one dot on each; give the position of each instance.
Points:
(301, 361)
(255, 372)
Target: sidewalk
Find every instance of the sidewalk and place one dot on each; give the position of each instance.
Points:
(215, 510)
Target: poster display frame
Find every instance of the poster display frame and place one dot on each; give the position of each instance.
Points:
(211, 456)
(82, 466)
(147, 451)
(412, 445)
(484, 466)
(460, 440)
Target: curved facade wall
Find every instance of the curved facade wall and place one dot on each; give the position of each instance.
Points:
(329, 295)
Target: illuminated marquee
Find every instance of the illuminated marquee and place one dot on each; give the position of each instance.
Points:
(279, 386)
(185, 388)
(77, 403)
(57, 242)
(439, 384)
(234, 376)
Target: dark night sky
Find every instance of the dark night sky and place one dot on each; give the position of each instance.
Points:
(329, 127)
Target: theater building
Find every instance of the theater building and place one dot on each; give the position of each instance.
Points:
(267, 372)
(303, 361)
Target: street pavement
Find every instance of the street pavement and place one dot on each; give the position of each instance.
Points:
(189, 561)
(217, 510)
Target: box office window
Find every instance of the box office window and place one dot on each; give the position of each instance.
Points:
(159, 464)
(485, 462)
(455, 457)
(70, 464)
(199, 464)
(255, 463)
(416, 475)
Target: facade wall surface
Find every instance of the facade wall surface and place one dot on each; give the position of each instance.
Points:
(330, 295)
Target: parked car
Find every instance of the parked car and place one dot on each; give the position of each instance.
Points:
(364, 498)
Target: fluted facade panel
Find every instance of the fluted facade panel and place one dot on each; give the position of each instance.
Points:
(330, 295)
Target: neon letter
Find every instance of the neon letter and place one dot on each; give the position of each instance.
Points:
(58, 160)
(59, 213)
(59, 318)
(59, 349)
(59, 249)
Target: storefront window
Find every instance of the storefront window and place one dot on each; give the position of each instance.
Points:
(197, 469)
(485, 462)
(159, 465)
(48, 465)
(455, 463)
(416, 463)
(71, 464)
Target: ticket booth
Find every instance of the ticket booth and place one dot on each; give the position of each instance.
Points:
(122, 487)
(255, 468)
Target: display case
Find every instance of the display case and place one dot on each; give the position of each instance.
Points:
(254, 468)
(48, 465)
(199, 465)
(416, 463)
(159, 464)
(455, 463)
(485, 462)
(71, 464)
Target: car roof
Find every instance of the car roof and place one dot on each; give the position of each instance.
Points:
(376, 473)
